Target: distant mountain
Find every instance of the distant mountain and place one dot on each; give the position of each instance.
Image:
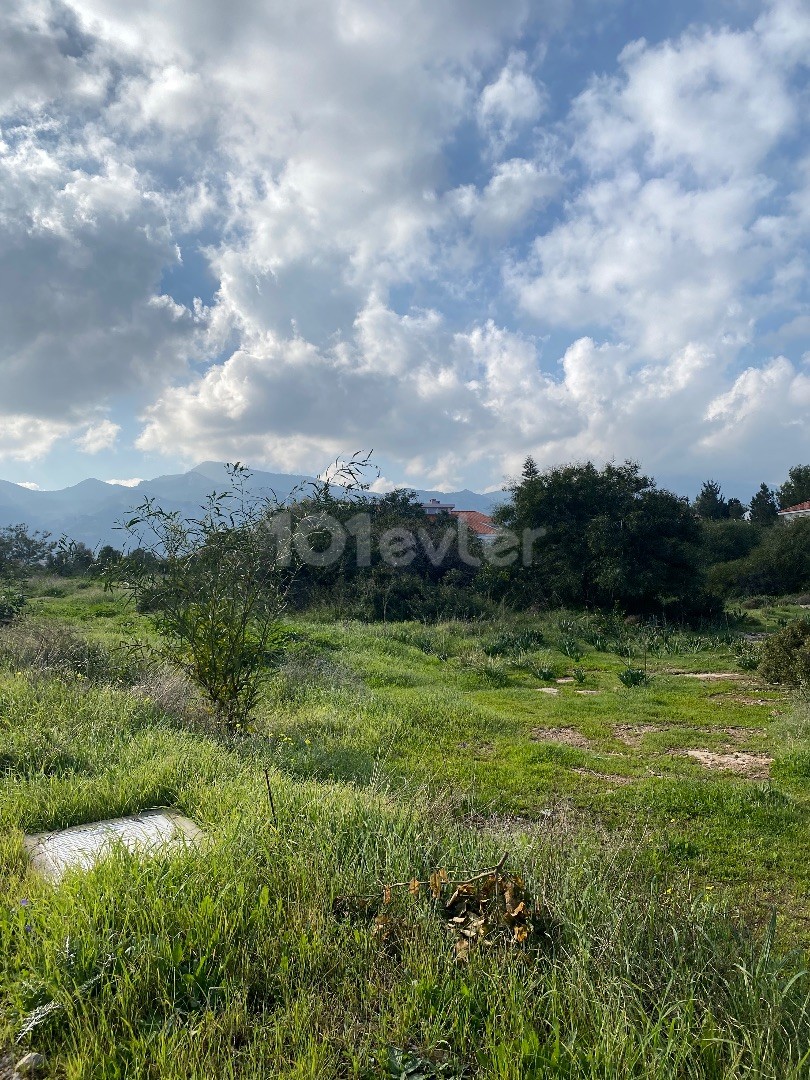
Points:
(88, 511)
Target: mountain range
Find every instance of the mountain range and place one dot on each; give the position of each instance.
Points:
(88, 511)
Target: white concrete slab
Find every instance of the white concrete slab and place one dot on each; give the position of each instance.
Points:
(52, 854)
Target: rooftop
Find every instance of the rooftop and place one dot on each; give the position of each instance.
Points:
(480, 524)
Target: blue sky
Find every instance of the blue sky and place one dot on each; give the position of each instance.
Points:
(455, 233)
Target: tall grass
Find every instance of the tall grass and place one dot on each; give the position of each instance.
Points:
(237, 959)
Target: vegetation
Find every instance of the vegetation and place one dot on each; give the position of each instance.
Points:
(796, 489)
(785, 656)
(392, 751)
(564, 832)
(610, 538)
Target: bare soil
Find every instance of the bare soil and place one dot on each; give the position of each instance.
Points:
(632, 734)
(751, 766)
(565, 735)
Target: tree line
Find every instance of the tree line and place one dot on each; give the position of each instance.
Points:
(603, 538)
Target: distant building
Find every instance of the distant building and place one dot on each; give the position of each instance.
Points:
(434, 506)
(481, 524)
(790, 513)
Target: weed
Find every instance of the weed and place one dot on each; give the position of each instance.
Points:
(634, 677)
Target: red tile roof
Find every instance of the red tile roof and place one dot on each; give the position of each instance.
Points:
(476, 522)
(798, 506)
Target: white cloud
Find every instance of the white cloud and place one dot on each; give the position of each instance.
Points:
(510, 103)
(29, 484)
(358, 169)
(507, 203)
(98, 437)
(133, 481)
(81, 255)
(28, 438)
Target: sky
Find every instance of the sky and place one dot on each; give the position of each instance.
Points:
(455, 232)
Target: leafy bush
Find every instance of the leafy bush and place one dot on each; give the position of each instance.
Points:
(510, 642)
(12, 603)
(786, 655)
(780, 564)
(634, 677)
(748, 654)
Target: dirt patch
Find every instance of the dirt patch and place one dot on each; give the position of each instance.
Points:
(547, 690)
(751, 766)
(591, 692)
(567, 679)
(610, 777)
(740, 699)
(566, 735)
(740, 734)
(711, 676)
(632, 734)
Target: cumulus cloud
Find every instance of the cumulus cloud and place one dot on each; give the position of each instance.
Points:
(28, 438)
(29, 484)
(98, 437)
(511, 102)
(133, 481)
(285, 233)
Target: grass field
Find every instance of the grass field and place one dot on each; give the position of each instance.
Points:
(661, 832)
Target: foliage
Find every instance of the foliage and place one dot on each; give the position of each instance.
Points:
(796, 489)
(397, 562)
(764, 509)
(634, 677)
(612, 539)
(710, 503)
(785, 656)
(22, 552)
(70, 558)
(724, 541)
(12, 602)
(780, 564)
(214, 585)
(747, 654)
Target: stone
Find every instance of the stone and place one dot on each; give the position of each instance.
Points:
(30, 1065)
(82, 846)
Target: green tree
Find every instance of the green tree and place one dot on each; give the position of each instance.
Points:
(786, 655)
(396, 562)
(710, 504)
(22, 553)
(612, 538)
(214, 587)
(70, 558)
(724, 541)
(796, 489)
(779, 565)
(530, 470)
(764, 509)
(736, 509)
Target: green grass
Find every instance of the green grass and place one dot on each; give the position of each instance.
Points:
(393, 751)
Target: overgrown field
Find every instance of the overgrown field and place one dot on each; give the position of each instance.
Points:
(651, 797)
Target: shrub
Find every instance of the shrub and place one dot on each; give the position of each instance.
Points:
(786, 655)
(748, 654)
(634, 677)
(12, 603)
(214, 586)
